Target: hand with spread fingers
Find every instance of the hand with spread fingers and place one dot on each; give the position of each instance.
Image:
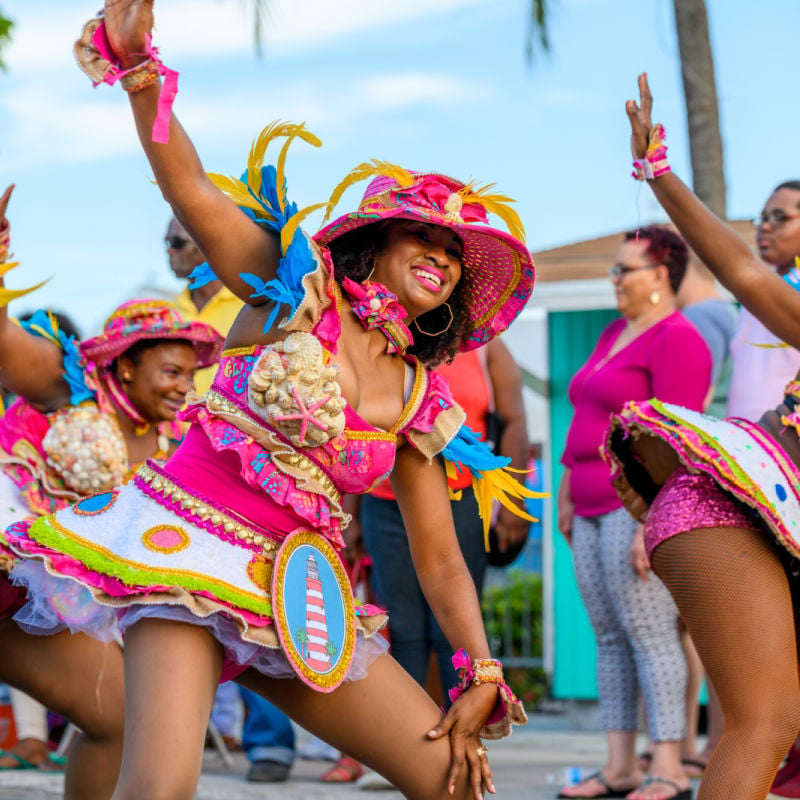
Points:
(639, 116)
(463, 723)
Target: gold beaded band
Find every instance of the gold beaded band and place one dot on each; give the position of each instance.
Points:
(195, 506)
(487, 670)
(140, 77)
(5, 240)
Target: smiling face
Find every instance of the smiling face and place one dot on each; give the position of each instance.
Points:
(420, 263)
(778, 235)
(157, 378)
(640, 277)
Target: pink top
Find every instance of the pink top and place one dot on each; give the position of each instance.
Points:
(669, 361)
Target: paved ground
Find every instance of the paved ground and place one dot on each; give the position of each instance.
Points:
(530, 765)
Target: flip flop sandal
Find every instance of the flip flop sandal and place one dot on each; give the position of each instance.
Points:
(680, 794)
(21, 763)
(610, 791)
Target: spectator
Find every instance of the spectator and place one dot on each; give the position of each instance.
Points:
(632, 614)
(761, 365)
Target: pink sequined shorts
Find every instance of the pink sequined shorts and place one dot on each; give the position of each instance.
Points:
(688, 501)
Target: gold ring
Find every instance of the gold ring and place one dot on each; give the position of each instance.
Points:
(482, 751)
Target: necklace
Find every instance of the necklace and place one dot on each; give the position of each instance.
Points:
(141, 425)
(378, 308)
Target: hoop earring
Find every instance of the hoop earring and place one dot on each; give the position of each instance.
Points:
(371, 273)
(443, 330)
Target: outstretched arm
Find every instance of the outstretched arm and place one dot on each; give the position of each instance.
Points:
(43, 385)
(719, 247)
(421, 491)
(229, 239)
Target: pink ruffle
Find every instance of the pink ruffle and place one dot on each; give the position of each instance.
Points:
(438, 398)
(259, 472)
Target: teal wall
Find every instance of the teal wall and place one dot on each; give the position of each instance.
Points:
(572, 336)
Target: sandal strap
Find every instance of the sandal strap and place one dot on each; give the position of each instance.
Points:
(600, 778)
(658, 779)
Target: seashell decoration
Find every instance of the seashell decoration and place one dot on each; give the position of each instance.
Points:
(86, 448)
(296, 393)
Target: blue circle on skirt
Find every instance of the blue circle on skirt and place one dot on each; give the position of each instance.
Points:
(95, 503)
(780, 491)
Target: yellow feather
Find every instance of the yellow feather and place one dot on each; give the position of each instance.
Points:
(237, 191)
(7, 295)
(287, 234)
(274, 130)
(4, 268)
(369, 169)
(293, 132)
(496, 204)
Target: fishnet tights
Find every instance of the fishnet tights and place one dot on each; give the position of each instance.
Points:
(733, 594)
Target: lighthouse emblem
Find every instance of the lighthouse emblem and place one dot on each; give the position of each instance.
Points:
(313, 610)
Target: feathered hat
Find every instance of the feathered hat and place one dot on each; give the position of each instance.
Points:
(497, 268)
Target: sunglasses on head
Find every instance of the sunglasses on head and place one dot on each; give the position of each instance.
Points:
(176, 242)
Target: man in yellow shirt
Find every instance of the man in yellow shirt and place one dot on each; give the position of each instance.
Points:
(212, 303)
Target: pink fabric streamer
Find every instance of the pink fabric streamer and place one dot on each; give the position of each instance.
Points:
(168, 91)
(463, 666)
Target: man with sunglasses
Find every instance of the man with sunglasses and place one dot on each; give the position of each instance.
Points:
(762, 365)
(211, 303)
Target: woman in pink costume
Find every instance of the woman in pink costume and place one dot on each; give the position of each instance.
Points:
(722, 505)
(85, 414)
(222, 562)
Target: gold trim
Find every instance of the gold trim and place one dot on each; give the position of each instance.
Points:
(240, 351)
(507, 292)
(204, 511)
(415, 398)
(354, 435)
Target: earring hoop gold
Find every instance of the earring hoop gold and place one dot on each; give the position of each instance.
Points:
(443, 330)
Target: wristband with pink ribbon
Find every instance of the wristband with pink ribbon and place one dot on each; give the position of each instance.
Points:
(97, 59)
(508, 710)
(654, 162)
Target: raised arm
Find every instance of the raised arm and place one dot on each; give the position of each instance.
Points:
(421, 491)
(229, 239)
(719, 247)
(43, 385)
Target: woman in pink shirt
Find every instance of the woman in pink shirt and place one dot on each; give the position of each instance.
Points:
(651, 351)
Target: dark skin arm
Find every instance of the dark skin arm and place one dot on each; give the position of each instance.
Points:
(229, 239)
(506, 378)
(754, 283)
(421, 491)
(44, 387)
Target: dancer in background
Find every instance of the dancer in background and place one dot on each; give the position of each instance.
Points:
(722, 503)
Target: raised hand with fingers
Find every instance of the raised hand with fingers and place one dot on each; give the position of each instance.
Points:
(647, 140)
(128, 23)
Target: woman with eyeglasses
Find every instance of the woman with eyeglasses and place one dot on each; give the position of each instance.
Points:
(761, 367)
(651, 350)
(721, 499)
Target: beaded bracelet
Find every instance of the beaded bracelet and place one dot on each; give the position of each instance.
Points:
(5, 241)
(140, 77)
(654, 162)
(507, 711)
(97, 59)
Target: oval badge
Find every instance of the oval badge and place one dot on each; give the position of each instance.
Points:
(312, 606)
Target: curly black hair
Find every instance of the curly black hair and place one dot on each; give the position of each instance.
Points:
(353, 257)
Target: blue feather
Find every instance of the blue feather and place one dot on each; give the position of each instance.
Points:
(42, 324)
(468, 449)
(201, 275)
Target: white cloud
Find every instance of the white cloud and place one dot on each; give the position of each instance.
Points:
(397, 91)
(215, 27)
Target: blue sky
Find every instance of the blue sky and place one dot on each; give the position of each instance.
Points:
(441, 85)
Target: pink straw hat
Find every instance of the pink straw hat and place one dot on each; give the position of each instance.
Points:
(150, 319)
(497, 267)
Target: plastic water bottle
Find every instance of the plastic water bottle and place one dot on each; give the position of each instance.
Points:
(572, 776)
